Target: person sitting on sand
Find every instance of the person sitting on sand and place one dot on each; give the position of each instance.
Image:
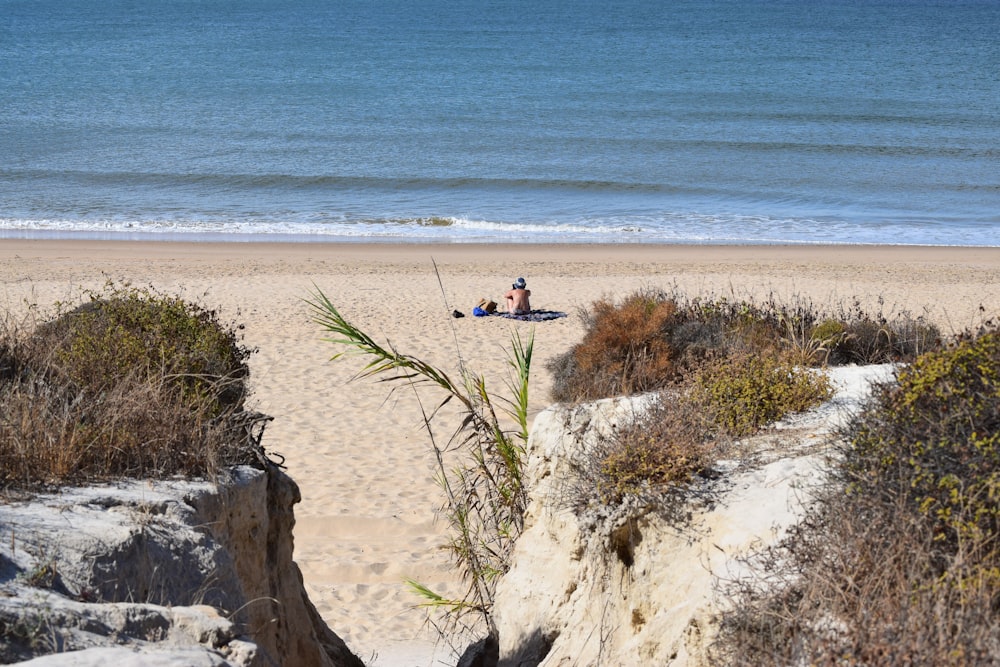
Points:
(517, 298)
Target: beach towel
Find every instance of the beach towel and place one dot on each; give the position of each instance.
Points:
(535, 316)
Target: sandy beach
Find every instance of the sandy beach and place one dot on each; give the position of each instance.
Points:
(366, 521)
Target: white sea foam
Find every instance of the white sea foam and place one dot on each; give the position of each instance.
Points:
(672, 228)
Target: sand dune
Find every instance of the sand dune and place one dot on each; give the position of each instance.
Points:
(363, 462)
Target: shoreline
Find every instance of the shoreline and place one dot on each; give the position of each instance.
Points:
(365, 469)
(13, 247)
(251, 238)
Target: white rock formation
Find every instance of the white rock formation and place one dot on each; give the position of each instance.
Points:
(189, 573)
(630, 586)
(160, 573)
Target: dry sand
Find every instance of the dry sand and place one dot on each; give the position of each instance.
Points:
(367, 517)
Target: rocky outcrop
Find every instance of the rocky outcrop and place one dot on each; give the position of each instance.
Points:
(636, 585)
(160, 573)
(195, 573)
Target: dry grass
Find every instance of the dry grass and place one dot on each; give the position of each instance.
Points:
(667, 446)
(132, 383)
(625, 350)
(898, 560)
(653, 340)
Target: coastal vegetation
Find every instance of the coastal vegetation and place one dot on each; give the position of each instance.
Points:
(898, 559)
(657, 339)
(129, 383)
(898, 554)
(479, 466)
(720, 369)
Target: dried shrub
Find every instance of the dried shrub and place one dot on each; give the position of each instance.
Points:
(652, 340)
(855, 586)
(133, 383)
(682, 431)
(625, 350)
(668, 445)
(897, 561)
(727, 365)
(880, 337)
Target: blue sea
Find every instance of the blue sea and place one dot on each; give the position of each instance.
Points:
(631, 121)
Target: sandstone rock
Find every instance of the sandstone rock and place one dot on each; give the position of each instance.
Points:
(133, 657)
(631, 585)
(194, 569)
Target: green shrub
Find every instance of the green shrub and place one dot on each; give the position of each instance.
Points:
(828, 332)
(935, 438)
(133, 383)
(745, 392)
(126, 331)
(898, 559)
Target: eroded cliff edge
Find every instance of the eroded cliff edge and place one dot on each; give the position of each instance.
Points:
(161, 572)
(633, 584)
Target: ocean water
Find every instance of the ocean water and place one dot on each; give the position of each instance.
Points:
(635, 121)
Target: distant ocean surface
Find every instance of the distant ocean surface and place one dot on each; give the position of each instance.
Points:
(568, 121)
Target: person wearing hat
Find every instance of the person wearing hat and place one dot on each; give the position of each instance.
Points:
(517, 298)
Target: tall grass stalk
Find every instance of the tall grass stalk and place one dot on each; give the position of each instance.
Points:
(480, 466)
